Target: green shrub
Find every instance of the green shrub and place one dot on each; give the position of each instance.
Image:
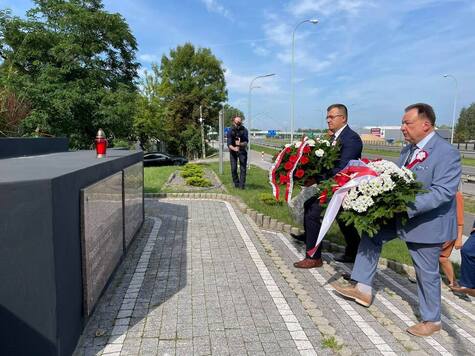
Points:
(198, 182)
(268, 199)
(210, 151)
(189, 174)
(120, 143)
(192, 170)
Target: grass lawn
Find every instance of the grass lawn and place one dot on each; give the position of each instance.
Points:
(469, 206)
(256, 183)
(156, 177)
(269, 150)
(387, 153)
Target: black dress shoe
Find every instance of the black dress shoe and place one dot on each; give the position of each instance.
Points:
(300, 237)
(344, 258)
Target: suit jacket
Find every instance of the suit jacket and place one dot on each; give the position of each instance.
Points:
(350, 148)
(432, 217)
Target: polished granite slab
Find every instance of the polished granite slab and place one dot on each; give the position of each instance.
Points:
(133, 201)
(101, 235)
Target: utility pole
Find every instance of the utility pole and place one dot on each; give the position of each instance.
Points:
(202, 133)
(220, 139)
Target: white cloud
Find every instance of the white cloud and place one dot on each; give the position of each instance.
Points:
(260, 50)
(280, 36)
(240, 83)
(327, 7)
(216, 7)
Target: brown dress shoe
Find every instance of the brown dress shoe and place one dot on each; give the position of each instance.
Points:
(309, 263)
(464, 290)
(354, 293)
(426, 328)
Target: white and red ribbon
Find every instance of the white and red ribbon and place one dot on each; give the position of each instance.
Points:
(421, 156)
(272, 171)
(290, 174)
(359, 172)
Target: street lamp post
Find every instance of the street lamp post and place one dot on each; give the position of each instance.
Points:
(249, 112)
(455, 106)
(202, 133)
(292, 99)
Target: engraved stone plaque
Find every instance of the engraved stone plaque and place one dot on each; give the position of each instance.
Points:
(101, 235)
(133, 201)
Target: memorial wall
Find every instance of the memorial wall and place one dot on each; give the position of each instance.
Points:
(67, 219)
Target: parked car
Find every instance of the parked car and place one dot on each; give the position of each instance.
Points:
(162, 159)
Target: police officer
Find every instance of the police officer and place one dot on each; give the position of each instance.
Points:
(237, 140)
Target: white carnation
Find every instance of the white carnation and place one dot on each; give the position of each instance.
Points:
(298, 144)
(287, 145)
(311, 143)
(325, 142)
(319, 152)
(362, 203)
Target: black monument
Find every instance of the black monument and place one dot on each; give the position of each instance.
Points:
(66, 221)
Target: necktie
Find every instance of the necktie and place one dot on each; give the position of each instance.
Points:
(411, 153)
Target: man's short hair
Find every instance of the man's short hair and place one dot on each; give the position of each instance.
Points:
(424, 110)
(237, 117)
(340, 107)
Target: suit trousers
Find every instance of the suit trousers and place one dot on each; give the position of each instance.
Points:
(425, 258)
(234, 157)
(467, 270)
(312, 223)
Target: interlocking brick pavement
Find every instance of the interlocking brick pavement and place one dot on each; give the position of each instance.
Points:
(202, 279)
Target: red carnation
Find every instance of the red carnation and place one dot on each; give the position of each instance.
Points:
(283, 179)
(288, 166)
(365, 160)
(288, 149)
(323, 197)
(304, 160)
(306, 149)
(293, 158)
(300, 173)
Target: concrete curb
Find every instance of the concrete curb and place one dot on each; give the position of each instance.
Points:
(266, 222)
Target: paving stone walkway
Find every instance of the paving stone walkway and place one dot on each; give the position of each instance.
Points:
(202, 279)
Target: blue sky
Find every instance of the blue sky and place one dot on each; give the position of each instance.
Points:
(375, 56)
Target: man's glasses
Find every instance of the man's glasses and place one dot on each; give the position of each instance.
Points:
(331, 117)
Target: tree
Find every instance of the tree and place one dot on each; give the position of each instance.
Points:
(465, 128)
(13, 110)
(149, 120)
(190, 78)
(75, 65)
(230, 113)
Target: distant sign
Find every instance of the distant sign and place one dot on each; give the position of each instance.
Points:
(226, 130)
(271, 133)
(375, 131)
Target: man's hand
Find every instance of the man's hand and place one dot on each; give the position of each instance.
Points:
(235, 149)
(238, 142)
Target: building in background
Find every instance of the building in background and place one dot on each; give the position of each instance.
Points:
(390, 134)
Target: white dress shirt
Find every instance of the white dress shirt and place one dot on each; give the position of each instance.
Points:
(338, 133)
(420, 145)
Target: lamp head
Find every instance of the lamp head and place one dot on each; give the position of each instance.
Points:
(313, 21)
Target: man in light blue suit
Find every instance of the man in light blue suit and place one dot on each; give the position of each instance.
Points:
(432, 218)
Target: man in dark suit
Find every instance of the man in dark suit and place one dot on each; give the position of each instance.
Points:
(350, 148)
